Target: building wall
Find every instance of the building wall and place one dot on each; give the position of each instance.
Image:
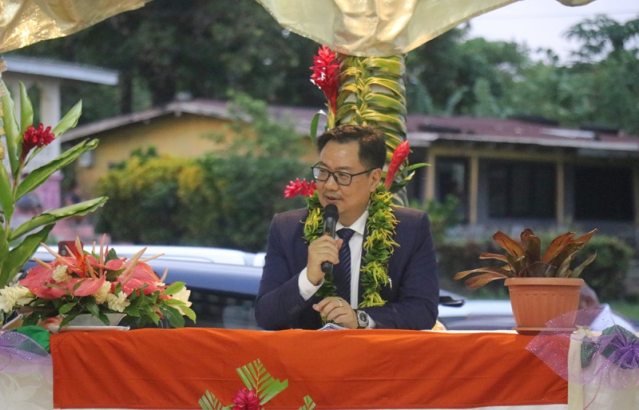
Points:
(182, 136)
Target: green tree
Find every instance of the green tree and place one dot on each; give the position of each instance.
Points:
(239, 189)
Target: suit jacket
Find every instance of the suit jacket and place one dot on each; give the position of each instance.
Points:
(411, 301)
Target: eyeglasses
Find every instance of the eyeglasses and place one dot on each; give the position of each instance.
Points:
(342, 178)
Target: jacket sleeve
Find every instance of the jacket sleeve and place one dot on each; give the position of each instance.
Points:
(413, 301)
(279, 304)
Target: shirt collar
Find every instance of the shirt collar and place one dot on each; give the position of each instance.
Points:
(359, 226)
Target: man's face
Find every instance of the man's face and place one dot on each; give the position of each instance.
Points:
(351, 200)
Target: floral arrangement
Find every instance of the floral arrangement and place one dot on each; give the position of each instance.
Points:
(96, 283)
(260, 388)
(22, 142)
(326, 77)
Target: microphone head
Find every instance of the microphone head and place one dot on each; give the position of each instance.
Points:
(330, 211)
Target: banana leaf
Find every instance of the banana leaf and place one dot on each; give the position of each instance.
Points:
(51, 217)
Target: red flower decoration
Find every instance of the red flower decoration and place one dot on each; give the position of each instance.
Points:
(36, 138)
(246, 400)
(326, 74)
(298, 187)
(399, 155)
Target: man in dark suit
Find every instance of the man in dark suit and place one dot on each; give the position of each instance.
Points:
(348, 172)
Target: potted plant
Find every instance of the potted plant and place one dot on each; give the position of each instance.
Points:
(541, 285)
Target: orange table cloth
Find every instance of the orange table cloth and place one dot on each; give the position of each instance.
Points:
(346, 369)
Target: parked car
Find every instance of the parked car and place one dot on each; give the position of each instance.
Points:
(224, 283)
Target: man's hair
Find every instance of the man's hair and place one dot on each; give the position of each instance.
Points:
(372, 145)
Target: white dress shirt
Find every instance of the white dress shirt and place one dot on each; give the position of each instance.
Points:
(307, 289)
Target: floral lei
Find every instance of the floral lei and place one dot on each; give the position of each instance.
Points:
(378, 247)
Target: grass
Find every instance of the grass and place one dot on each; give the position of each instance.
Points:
(627, 309)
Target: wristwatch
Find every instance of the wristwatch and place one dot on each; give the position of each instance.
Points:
(362, 319)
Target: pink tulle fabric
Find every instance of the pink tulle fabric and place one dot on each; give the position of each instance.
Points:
(606, 359)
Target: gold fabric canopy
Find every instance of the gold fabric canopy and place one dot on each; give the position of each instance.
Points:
(378, 27)
(24, 22)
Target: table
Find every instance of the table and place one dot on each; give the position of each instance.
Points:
(345, 369)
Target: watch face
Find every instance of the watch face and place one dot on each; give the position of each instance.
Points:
(362, 318)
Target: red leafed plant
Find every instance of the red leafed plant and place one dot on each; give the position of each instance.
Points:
(524, 259)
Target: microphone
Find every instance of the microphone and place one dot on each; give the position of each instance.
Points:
(331, 215)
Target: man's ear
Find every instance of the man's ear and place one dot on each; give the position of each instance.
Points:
(376, 177)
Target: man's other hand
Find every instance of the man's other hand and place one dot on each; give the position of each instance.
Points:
(337, 310)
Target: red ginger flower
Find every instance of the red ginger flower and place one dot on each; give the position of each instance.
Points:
(298, 187)
(36, 138)
(326, 74)
(246, 400)
(399, 155)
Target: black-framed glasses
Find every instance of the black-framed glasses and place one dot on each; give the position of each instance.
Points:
(342, 178)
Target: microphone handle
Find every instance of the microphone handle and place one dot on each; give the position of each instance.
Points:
(327, 268)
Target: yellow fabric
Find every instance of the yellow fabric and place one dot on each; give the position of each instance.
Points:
(379, 28)
(25, 22)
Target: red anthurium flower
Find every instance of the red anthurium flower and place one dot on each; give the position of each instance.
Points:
(36, 138)
(140, 275)
(326, 74)
(298, 187)
(88, 286)
(399, 155)
(246, 400)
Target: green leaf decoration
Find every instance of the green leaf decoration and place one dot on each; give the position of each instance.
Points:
(40, 175)
(26, 109)
(255, 376)
(12, 132)
(210, 402)
(309, 404)
(19, 255)
(52, 217)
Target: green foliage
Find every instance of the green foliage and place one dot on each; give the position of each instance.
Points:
(606, 275)
(443, 215)
(225, 198)
(144, 203)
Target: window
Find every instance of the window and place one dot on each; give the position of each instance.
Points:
(603, 193)
(452, 180)
(223, 310)
(521, 190)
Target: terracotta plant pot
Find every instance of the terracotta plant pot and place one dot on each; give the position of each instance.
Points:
(535, 301)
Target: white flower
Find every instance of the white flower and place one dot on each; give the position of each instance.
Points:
(183, 295)
(101, 294)
(117, 303)
(14, 295)
(60, 274)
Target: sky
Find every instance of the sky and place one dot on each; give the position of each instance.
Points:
(542, 23)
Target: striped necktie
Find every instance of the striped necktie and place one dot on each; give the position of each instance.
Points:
(342, 271)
